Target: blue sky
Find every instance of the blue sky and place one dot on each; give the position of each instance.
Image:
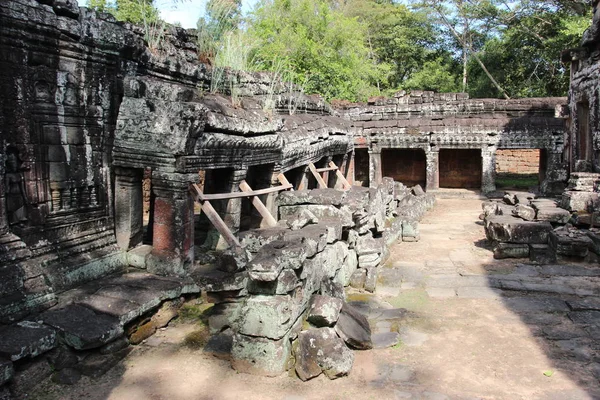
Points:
(186, 13)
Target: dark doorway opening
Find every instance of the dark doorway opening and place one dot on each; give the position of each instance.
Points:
(408, 166)
(460, 168)
(361, 167)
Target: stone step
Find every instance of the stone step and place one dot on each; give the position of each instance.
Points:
(26, 339)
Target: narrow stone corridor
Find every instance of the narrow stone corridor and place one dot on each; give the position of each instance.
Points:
(469, 327)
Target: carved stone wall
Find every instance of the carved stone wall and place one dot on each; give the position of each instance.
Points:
(432, 122)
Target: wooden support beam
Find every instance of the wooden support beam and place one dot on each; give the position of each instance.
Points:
(214, 217)
(340, 176)
(238, 195)
(283, 180)
(327, 169)
(318, 177)
(262, 209)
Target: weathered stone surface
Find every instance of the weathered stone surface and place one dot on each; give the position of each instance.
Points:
(410, 231)
(371, 279)
(314, 196)
(513, 230)
(333, 288)
(267, 316)
(525, 212)
(304, 218)
(260, 356)
(542, 254)
(67, 376)
(570, 243)
(137, 257)
(6, 371)
(29, 376)
(254, 239)
(367, 244)
(272, 258)
(511, 250)
(82, 328)
(580, 201)
(321, 212)
(96, 365)
(321, 350)
(385, 339)
(314, 237)
(354, 328)
(324, 310)
(556, 215)
(26, 339)
(358, 278)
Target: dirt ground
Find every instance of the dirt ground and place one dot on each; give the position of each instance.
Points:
(461, 339)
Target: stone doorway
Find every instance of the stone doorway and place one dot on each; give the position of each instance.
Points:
(460, 168)
(405, 165)
(361, 167)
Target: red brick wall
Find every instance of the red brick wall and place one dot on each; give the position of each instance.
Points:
(520, 161)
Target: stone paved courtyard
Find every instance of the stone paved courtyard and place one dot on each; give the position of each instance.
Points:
(471, 327)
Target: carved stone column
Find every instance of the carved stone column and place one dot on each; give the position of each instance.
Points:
(173, 228)
(432, 169)
(375, 172)
(555, 175)
(129, 206)
(488, 169)
(270, 201)
(232, 213)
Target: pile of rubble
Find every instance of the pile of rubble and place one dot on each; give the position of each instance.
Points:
(523, 226)
(325, 240)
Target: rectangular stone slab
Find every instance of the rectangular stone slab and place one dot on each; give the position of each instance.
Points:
(502, 228)
(82, 328)
(26, 339)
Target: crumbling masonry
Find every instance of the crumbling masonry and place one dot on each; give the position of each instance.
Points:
(102, 140)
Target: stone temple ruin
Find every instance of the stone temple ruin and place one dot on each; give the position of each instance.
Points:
(110, 150)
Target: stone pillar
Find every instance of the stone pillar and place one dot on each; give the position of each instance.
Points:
(488, 169)
(270, 202)
(3, 217)
(173, 229)
(129, 207)
(432, 169)
(556, 176)
(328, 159)
(232, 215)
(303, 185)
(375, 173)
(350, 177)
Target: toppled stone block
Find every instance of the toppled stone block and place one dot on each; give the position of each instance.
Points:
(354, 328)
(272, 258)
(510, 250)
(324, 310)
(367, 261)
(417, 190)
(259, 355)
(137, 257)
(514, 230)
(542, 254)
(267, 316)
(348, 267)
(82, 328)
(254, 239)
(367, 244)
(342, 214)
(313, 237)
(385, 339)
(556, 215)
(525, 212)
(595, 241)
(410, 231)
(96, 365)
(321, 350)
(570, 244)
(26, 339)
(222, 316)
(29, 376)
(301, 220)
(314, 196)
(358, 278)
(213, 280)
(332, 288)
(234, 259)
(371, 279)
(580, 201)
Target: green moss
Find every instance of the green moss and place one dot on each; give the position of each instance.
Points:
(198, 338)
(413, 299)
(195, 312)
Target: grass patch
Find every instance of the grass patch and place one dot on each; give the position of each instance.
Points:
(398, 345)
(515, 181)
(412, 300)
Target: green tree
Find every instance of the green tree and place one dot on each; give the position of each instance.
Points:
(135, 11)
(322, 47)
(437, 75)
(222, 17)
(396, 36)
